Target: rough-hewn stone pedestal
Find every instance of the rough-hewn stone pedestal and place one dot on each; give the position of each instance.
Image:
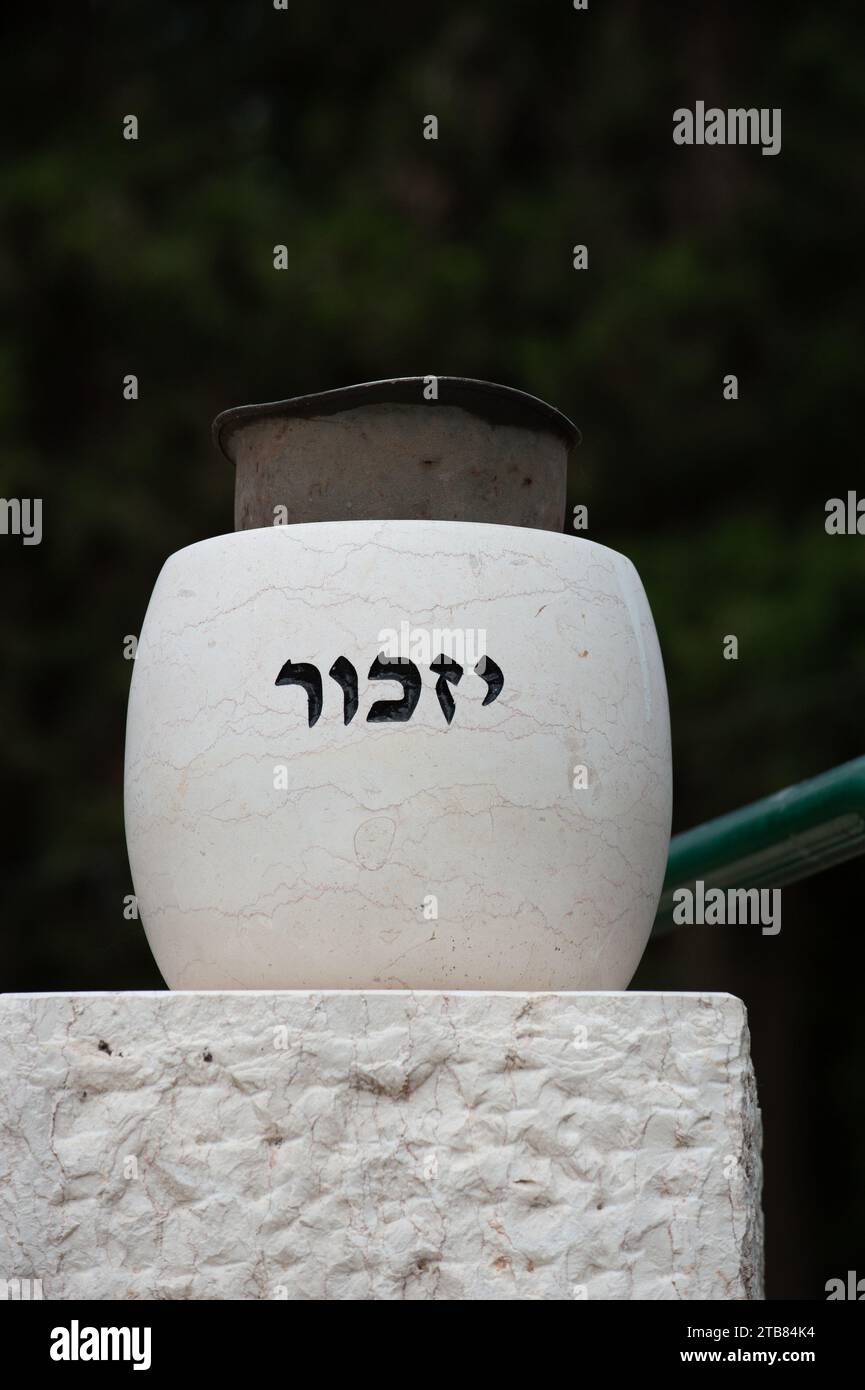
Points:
(379, 1146)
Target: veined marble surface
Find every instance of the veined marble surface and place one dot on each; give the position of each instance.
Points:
(522, 845)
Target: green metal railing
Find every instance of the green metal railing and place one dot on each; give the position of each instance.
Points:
(789, 836)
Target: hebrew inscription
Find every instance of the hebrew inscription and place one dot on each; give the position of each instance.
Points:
(397, 710)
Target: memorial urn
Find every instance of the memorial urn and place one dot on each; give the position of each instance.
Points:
(398, 730)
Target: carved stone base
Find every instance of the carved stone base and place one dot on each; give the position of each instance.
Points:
(379, 1145)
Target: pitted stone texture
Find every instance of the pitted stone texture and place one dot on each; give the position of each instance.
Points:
(379, 1145)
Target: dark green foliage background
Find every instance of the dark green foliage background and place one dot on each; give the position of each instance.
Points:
(304, 127)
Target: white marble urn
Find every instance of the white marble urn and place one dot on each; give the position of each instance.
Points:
(401, 753)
